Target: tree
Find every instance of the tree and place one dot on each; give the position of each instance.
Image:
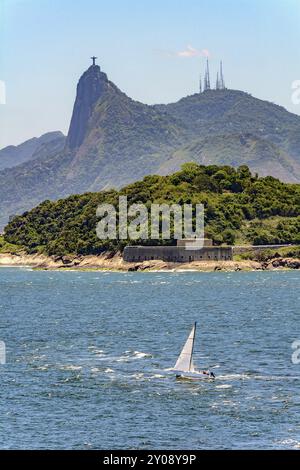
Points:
(229, 236)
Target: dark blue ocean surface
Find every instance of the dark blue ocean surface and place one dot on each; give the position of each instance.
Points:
(88, 355)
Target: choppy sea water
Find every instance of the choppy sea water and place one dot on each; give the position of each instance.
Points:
(88, 355)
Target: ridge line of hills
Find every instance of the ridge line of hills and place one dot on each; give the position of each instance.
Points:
(114, 140)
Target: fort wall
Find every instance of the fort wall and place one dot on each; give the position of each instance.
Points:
(177, 254)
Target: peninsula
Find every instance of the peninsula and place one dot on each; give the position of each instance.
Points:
(242, 210)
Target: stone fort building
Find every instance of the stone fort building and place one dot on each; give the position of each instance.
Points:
(183, 252)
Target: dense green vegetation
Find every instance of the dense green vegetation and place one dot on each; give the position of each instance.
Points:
(10, 248)
(270, 253)
(239, 208)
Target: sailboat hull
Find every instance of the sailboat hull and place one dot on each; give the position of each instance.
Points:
(194, 376)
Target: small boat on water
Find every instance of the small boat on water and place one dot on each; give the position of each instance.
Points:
(184, 366)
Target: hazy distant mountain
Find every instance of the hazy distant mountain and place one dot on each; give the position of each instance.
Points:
(261, 155)
(114, 140)
(14, 155)
(231, 127)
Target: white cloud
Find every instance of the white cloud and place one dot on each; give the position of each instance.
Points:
(191, 51)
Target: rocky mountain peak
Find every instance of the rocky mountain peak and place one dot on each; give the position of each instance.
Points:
(91, 86)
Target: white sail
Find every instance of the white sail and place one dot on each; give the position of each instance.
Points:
(185, 361)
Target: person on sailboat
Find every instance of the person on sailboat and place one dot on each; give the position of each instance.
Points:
(208, 372)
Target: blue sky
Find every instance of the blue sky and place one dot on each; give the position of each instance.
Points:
(152, 49)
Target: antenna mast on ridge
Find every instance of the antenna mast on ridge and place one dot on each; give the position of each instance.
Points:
(222, 82)
(207, 77)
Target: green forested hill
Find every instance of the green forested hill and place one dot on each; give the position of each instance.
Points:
(239, 208)
(114, 140)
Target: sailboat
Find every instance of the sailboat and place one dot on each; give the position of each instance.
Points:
(184, 366)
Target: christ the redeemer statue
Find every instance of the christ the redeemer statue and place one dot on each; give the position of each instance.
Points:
(94, 59)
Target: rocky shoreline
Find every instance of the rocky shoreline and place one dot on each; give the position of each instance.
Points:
(114, 262)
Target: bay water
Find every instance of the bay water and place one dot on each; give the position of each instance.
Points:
(88, 359)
